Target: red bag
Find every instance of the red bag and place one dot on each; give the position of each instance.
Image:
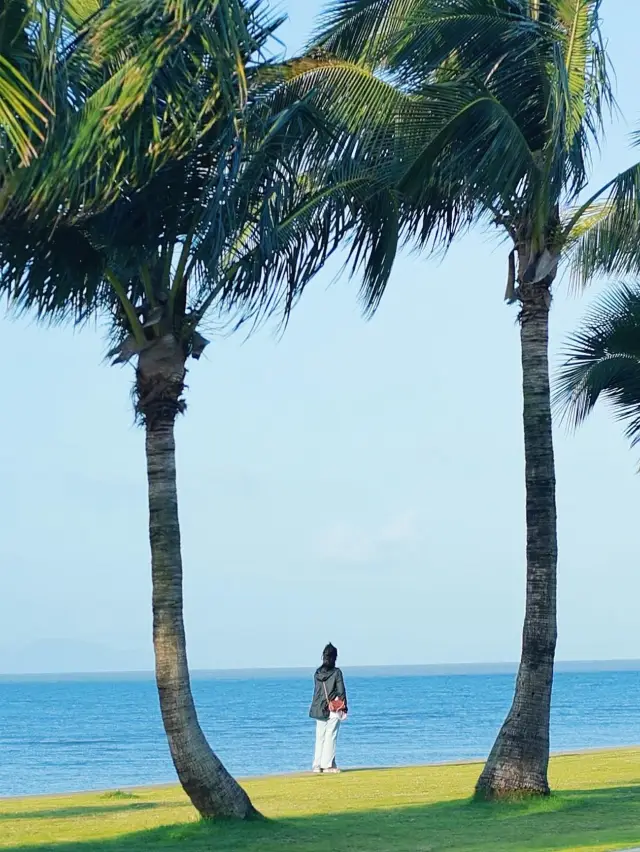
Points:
(336, 705)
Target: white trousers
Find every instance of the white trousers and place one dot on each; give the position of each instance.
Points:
(326, 740)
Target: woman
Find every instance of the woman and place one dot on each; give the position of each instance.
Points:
(328, 708)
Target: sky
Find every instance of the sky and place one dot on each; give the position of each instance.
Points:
(350, 481)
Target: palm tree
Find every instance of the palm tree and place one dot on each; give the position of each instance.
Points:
(603, 360)
(206, 195)
(486, 111)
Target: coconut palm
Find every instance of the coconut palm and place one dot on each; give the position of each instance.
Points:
(489, 110)
(603, 361)
(207, 195)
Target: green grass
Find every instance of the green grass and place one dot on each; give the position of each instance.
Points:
(596, 806)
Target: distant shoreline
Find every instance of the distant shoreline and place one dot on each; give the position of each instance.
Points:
(432, 670)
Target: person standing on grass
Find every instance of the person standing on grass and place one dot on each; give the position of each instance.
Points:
(329, 709)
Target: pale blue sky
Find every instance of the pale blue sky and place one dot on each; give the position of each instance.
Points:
(358, 482)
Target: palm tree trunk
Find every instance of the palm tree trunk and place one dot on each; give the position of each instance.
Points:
(212, 790)
(519, 759)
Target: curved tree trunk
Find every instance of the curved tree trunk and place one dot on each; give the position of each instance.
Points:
(519, 759)
(160, 382)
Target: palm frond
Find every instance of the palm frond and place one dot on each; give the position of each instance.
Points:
(579, 93)
(241, 223)
(418, 37)
(603, 235)
(266, 276)
(146, 80)
(361, 30)
(536, 75)
(24, 113)
(603, 360)
(58, 274)
(477, 142)
(426, 144)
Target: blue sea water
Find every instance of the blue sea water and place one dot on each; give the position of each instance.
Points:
(96, 734)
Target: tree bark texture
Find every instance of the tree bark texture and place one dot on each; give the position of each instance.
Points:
(212, 790)
(519, 760)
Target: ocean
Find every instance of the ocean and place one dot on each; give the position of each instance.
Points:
(102, 733)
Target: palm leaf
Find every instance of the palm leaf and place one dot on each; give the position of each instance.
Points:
(603, 234)
(603, 360)
(145, 81)
(419, 36)
(241, 221)
(24, 114)
(508, 97)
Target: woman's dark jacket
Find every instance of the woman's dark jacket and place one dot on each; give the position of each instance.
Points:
(334, 682)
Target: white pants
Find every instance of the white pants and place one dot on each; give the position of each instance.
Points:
(326, 740)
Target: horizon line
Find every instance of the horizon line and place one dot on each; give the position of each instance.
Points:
(399, 669)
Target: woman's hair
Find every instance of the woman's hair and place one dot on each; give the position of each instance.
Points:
(329, 656)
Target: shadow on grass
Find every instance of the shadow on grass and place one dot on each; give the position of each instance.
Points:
(580, 819)
(79, 811)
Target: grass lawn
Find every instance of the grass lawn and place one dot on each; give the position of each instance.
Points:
(596, 806)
